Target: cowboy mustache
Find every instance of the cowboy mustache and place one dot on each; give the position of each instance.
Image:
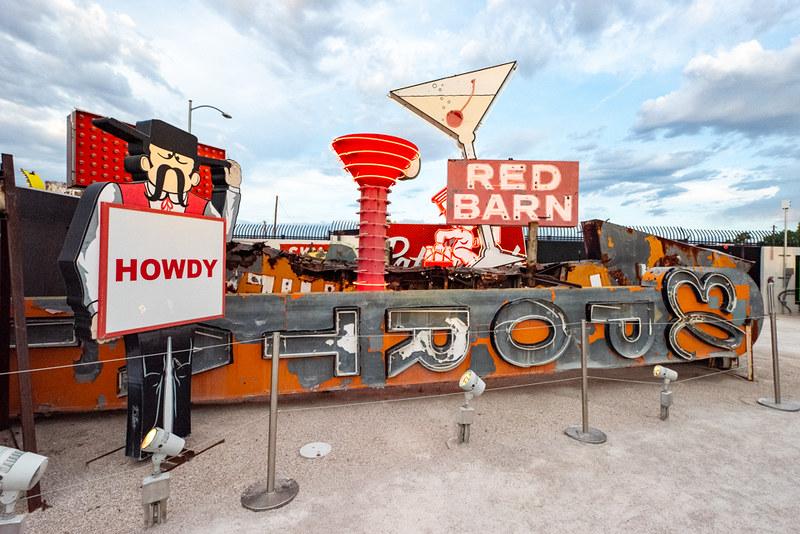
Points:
(161, 174)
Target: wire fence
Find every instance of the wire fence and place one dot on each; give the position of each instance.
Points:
(484, 329)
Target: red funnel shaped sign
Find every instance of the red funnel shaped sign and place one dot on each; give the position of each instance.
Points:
(377, 159)
(376, 162)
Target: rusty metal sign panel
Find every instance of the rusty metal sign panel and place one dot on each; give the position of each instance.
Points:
(346, 340)
(512, 192)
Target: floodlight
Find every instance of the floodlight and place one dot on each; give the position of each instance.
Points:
(473, 386)
(19, 471)
(155, 487)
(668, 375)
(161, 444)
(472, 383)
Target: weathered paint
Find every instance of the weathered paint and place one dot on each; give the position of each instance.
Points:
(632, 248)
(252, 319)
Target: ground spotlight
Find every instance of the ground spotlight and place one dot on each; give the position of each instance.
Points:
(161, 444)
(155, 487)
(473, 386)
(19, 471)
(668, 375)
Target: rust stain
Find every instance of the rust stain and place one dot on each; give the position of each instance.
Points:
(656, 250)
(581, 273)
(724, 261)
(619, 277)
(598, 333)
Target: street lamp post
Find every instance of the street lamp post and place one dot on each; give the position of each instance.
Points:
(192, 108)
(785, 205)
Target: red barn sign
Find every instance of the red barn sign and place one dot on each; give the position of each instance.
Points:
(512, 192)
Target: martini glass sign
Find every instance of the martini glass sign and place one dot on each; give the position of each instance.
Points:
(376, 162)
(456, 104)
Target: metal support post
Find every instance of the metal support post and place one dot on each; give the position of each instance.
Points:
(532, 256)
(666, 400)
(5, 326)
(14, 252)
(585, 433)
(155, 494)
(155, 487)
(267, 495)
(466, 416)
(169, 395)
(748, 337)
(776, 402)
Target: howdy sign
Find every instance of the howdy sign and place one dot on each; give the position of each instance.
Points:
(152, 276)
(512, 192)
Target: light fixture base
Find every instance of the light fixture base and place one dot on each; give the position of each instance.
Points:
(593, 436)
(784, 405)
(11, 524)
(257, 499)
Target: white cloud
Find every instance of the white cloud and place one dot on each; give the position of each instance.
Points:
(296, 74)
(746, 89)
(709, 202)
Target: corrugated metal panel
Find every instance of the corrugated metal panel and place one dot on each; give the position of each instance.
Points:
(696, 236)
(292, 231)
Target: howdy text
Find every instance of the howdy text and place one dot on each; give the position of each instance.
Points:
(152, 269)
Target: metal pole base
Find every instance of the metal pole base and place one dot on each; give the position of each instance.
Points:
(784, 406)
(257, 499)
(593, 436)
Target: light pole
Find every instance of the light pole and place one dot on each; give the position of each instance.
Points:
(192, 108)
(785, 205)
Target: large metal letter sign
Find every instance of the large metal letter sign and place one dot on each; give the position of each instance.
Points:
(423, 323)
(688, 320)
(517, 312)
(341, 342)
(618, 317)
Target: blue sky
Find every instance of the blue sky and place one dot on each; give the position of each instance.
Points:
(680, 113)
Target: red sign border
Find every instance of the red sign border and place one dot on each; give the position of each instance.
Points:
(105, 207)
(542, 222)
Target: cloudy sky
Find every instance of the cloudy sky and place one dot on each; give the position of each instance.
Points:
(680, 113)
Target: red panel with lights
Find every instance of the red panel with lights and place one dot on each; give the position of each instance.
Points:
(97, 156)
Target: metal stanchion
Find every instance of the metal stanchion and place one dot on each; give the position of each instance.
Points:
(748, 337)
(585, 433)
(777, 403)
(268, 495)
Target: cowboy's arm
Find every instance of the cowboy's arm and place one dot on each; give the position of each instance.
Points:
(233, 197)
(80, 257)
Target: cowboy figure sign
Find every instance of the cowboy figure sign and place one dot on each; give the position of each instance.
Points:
(145, 260)
(164, 163)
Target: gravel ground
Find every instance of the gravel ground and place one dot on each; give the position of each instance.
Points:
(721, 463)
